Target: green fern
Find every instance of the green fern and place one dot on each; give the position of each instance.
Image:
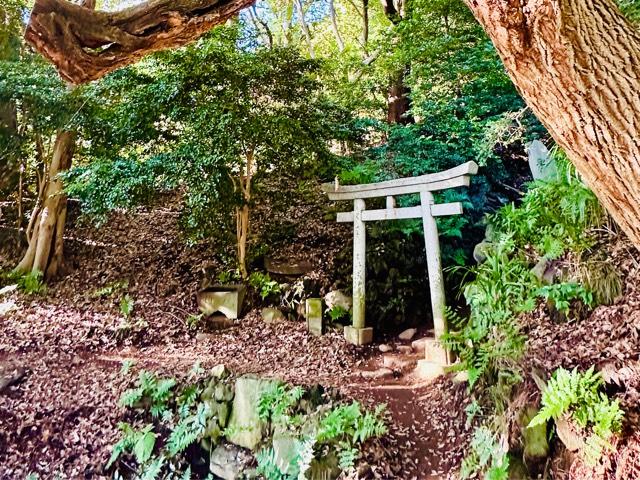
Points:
(560, 295)
(578, 395)
(277, 402)
(485, 457)
(138, 442)
(150, 390)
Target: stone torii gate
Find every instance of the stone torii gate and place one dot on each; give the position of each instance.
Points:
(458, 176)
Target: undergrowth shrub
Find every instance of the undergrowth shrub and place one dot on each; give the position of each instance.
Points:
(319, 436)
(264, 285)
(560, 295)
(175, 429)
(555, 216)
(487, 457)
(31, 283)
(579, 396)
(557, 219)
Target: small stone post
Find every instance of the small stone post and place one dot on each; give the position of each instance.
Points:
(436, 283)
(357, 333)
(313, 315)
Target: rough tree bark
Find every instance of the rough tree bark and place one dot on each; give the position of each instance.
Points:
(85, 44)
(576, 63)
(398, 99)
(46, 226)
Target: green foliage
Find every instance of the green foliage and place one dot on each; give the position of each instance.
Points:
(560, 295)
(31, 283)
(150, 392)
(277, 402)
(263, 284)
(491, 342)
(179, 417)
(201, 118)
(486, 457)
(127, 304)
(122, 183)
(229, 276)
(139, 442)
(190, 428)
(554, 216)
(111, 289)
(338, 431)
(348, 422)
(269, 467)
(194, 320)
(338, 313)
(578, 395)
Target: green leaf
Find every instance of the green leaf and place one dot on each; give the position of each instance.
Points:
(143, 448)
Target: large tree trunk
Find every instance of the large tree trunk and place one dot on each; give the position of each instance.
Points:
(46, 227)
(85, 44)
(577, 65)
(398, 101)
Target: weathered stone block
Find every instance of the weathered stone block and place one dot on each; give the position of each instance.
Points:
(313, 314)
(429, 370)
(358, 336)
(226, 299)
(315, 326)
(435, 352)
(245, 427)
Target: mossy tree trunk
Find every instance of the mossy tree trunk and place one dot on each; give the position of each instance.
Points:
(576, 63)
(46, 226)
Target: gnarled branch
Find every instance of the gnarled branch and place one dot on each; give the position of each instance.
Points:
(85, 44)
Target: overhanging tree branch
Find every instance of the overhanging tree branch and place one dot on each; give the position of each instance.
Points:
(85, 44)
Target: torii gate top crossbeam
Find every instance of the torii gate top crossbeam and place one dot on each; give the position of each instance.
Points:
(454, 177)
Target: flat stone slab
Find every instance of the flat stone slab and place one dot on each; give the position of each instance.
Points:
(429, 370)
(394, 362)
(377, 374)
(288, 268)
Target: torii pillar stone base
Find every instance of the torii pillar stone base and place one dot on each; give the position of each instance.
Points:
(358, 336)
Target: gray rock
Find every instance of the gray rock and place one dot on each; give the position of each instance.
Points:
(544, 271)
(408, 334)
(419, 345)
(272, 315)
(405, 349)
(246, 428)
(542, 165)
(229, 462)
(384, 348)
(377, 374)
(10, 374)
(8, 289)
(337, 298)
(481, 251)
(396, 363)
(220, 371)
(285, 450)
